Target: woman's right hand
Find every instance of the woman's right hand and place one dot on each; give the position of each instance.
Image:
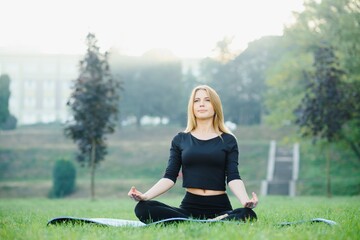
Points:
(252, 202)
(136, 195)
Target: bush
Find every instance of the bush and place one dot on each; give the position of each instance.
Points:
(10, 123)
(64, 176)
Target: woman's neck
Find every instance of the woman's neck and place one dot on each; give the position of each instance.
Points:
(204, 127)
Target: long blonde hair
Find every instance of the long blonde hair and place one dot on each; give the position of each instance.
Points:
(218, 119)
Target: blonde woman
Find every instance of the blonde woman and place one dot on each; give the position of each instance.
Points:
(207, 153)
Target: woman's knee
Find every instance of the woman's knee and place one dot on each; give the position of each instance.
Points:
(242, 214)
(144, 209)
(141, 207)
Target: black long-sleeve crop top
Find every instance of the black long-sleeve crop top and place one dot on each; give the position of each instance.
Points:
(206, 164)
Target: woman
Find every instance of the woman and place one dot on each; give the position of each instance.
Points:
(208, 154)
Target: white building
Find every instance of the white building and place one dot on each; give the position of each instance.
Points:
(40, 85)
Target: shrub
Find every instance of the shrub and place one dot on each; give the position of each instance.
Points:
(64, 176)
(10, 123)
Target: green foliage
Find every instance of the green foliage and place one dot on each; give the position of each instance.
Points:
(64, 179)
(10, 123)
(7, 120)
(94, 104)
(241, 81)
(285, 86)
(337, 21)
(336, 24)
(344, 170)
(4, 97)
(151, 82)
(324, 109)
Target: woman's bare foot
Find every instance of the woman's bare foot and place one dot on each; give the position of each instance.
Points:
(220, 217)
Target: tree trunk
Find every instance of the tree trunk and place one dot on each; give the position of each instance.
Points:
(328, 176)
(355, 148)
(93, 156)
(138, 124)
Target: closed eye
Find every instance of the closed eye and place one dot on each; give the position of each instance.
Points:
(198, 99)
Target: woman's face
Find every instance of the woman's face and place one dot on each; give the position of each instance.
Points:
(203, 109)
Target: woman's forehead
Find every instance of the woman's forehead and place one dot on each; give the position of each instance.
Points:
(201, 93)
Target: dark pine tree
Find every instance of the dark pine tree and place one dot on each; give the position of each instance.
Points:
(323, 111)
(94, 104)
(4, 98)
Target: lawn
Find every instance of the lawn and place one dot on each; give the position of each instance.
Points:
(27, 218)
(138, 158)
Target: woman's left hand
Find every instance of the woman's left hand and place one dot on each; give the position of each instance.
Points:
(136, 195)
(252, 202)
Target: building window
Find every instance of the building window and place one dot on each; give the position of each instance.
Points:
(48, 117)
(49, 102)
(30, 102)
(29, 85)
(29, 118)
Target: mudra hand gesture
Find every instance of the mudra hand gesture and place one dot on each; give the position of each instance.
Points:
(136, 195)
(252, 202)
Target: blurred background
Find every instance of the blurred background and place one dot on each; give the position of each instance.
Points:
(286, 71)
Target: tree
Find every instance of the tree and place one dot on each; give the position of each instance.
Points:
(94, 104)
(323, 111)
(241, 81)
(4, 98)
(152, 83)
(332, 27)
(285, 87)
(337, 22)
(224, 54)
(7, 120)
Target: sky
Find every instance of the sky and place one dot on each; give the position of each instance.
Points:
(188, 28)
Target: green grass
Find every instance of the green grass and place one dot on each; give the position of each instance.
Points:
(27, 218)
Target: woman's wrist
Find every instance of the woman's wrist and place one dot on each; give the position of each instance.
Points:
(144, 197)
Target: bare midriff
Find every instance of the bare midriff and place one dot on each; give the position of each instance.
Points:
(204, 192)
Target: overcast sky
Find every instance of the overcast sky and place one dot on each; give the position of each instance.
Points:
(189, 28)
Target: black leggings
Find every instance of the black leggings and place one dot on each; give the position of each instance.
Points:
(193, 206)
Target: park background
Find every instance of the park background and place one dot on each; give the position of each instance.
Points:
(263, 85)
